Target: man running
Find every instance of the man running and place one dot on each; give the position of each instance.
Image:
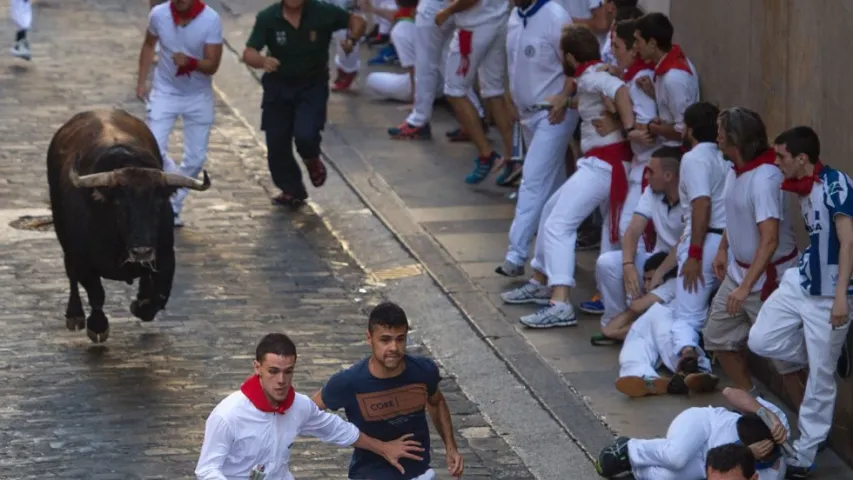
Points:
(388, 394)
(253, 429)
(190, 37)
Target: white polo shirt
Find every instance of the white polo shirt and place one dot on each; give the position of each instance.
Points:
(675, 91)
(534, 60)
(703, 173)
(645, 109)
(238, 436)
(592, 84)
(667, 219)
(752, 198)
(403, 39)
(484, 12)
(205, 29)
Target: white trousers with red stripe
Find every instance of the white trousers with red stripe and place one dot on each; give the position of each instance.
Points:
(587, 189)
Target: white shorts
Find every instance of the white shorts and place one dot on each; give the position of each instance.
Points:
(487, 58)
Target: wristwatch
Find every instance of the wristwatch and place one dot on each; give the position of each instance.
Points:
(626, 131)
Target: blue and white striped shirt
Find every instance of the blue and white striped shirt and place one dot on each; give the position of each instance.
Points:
(831, 196)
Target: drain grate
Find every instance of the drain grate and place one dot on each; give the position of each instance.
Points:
(41, 223)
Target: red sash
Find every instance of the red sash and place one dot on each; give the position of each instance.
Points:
(771, 281)
(614, 154)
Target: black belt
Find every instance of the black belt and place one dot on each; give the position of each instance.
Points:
(718, 231)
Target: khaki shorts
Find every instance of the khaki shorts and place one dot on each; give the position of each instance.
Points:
(729, 333)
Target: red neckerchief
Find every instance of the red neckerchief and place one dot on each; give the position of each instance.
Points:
(638, 66)
(803, 186)
(768, 157)
(252, 390)
(404, 13)
(195, 9)
(583, 66)
(674, 60)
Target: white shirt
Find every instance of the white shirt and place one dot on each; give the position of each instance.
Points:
(403, 39)
(645, 109)
(534, 60)
(703, 173)
(427, 9)
(675, 91)
(491, 12)
(582, 9)
(752, 198)
(205, 29)
(668, 220)
(592, 84)
(238, 436)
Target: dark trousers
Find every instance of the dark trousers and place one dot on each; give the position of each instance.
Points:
(293, 111)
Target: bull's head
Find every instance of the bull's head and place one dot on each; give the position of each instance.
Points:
(136, 197)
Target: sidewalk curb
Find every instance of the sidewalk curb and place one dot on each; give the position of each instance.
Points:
(563, 403)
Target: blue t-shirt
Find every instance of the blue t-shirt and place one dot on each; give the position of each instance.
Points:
(385, 409)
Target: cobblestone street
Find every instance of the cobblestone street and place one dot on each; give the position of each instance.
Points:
(135, 407)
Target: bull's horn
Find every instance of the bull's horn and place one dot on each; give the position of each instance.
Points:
(103, 179)
(181, 181)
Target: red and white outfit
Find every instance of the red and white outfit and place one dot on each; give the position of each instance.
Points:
(182, 92)
(535, 74)
(478, 48)
(601, 181)
(676, 88)
(245, 431)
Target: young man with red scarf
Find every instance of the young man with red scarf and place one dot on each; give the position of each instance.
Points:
(675, 85)
(805, 321)
(253, 429)
(760, 243)
(190, 37)
(601, 181)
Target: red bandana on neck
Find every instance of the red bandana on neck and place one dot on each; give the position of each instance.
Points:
(583, 66)
(638, 66)
(404, 13)
(195, 9)
(252, 390)
(803, 186)
(768, 157)
(674, 60)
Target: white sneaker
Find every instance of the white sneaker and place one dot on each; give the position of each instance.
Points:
(21, 49)
(178, 221)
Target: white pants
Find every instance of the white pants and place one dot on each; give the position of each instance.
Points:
(21, 12)
(430, 62)
(587, 189)
(679, 456)
(486, 61)
(196, 112)
(635, 191)
(389, 86)
(543, 171)
(611, 282)
(691, 309)
(347, 62)
(649, 343)
(793, 326)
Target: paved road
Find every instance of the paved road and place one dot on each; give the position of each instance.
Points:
(135, 408)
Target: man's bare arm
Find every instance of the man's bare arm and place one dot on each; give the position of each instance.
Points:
(146, 57)
(212, 56)
(768, 240)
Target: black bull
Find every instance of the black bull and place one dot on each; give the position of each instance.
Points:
(111, 212)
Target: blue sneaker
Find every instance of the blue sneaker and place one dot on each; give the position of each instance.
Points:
(482, 167)
(594, 306)
(386, 56)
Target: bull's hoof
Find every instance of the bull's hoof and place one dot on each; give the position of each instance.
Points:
(97, 327)
(98, 337)
(75, 323)
(144, 310)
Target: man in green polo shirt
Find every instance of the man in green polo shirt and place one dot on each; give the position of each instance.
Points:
(296, 34)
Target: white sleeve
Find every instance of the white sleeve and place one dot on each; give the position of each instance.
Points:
(695, 176)
(776, 411)
(328, 427)
(214, 33)
(645, 107)
(218, 438)
(666, 291)
(767, 195)
(680, 94)
(403, 38)
(152, 23)
(644, 206)
(605, 84)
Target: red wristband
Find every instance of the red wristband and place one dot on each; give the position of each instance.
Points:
(192, 64)
(694, 251)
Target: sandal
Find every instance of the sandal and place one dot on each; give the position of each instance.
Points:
(287, 200)
(316, 171)
(600, 340)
